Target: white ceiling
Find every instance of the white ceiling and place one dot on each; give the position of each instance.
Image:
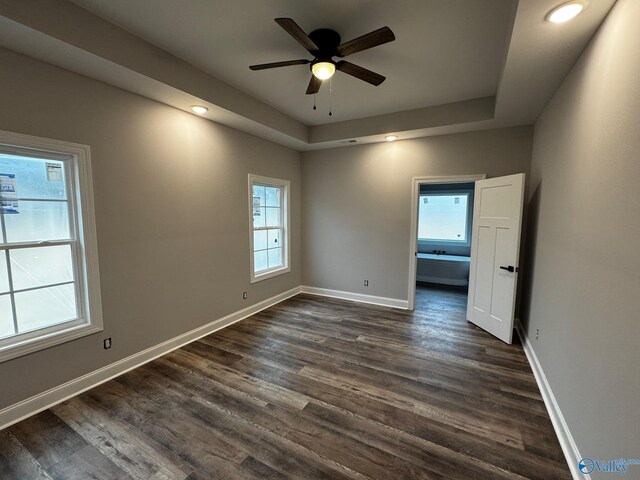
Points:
(445, 51)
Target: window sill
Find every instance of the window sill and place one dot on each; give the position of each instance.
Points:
(269, 274)
(443, 243)
(25, 347)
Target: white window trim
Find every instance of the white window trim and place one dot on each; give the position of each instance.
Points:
(286, 216)
(81, 195)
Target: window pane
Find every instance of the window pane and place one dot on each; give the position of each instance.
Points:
(6, 316)
(259, 192)
(259, 218)
(38, 221)
(275, 257)
(41, 266)
(443, 217)
(273, 196)
(274, 238)
(35, 178)
(45, 307)
(4, 275)
(260, 261)
(260, 240)
(273, 217)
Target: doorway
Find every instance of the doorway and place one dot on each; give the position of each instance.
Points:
(441, 215)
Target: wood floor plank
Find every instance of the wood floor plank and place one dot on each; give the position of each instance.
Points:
(48, 438)
(451, 357)
(133, 452)
(262, 471)
(16, 462)
(311, 388)
(87, 463)
(171, 427)
(254, 387)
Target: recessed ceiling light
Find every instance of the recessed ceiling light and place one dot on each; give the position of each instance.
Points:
(199, 109)
(566, 11)
(391, 138)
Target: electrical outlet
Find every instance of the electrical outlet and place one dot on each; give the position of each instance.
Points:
(244, 295)
(537, 333)
(366, 283)
(107, 343)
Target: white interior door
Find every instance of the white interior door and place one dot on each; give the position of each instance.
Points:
(495, 246)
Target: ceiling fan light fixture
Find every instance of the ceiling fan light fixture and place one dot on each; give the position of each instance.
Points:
(323, 70)
(565, 12)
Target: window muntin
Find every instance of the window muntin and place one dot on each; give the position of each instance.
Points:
(269, 230)
(49, 279)
(444, 217)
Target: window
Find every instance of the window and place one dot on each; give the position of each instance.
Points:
(444, 217)
(49, 284)
(269, 217)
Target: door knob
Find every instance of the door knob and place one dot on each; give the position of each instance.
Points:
(510, 268)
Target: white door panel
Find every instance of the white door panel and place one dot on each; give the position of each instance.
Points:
(484, 269)
(497, 219)
(503, 281)
(495, 202)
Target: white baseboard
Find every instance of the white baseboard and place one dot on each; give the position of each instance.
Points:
(569, 447)
(357, 297)
(49, 398)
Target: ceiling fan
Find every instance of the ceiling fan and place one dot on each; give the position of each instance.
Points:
(324, 44)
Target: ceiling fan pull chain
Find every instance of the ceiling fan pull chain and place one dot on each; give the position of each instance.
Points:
(314, 101)
(330, 97)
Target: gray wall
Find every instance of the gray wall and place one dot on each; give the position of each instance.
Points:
(171, 210)
(356, 203)
(583, 279)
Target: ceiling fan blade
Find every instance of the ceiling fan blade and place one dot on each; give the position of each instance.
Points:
(362, 73)
(370, 40)
(288, 63)
(314, 85)
(296, 32)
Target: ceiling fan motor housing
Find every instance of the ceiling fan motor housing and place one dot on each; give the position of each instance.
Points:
(327, 41)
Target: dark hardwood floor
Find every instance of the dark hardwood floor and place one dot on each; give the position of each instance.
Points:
(310, 388)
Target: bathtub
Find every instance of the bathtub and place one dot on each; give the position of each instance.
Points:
(444, 269)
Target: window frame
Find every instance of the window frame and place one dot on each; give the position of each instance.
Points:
(429, 242)
(285, 185)
(83, 242)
